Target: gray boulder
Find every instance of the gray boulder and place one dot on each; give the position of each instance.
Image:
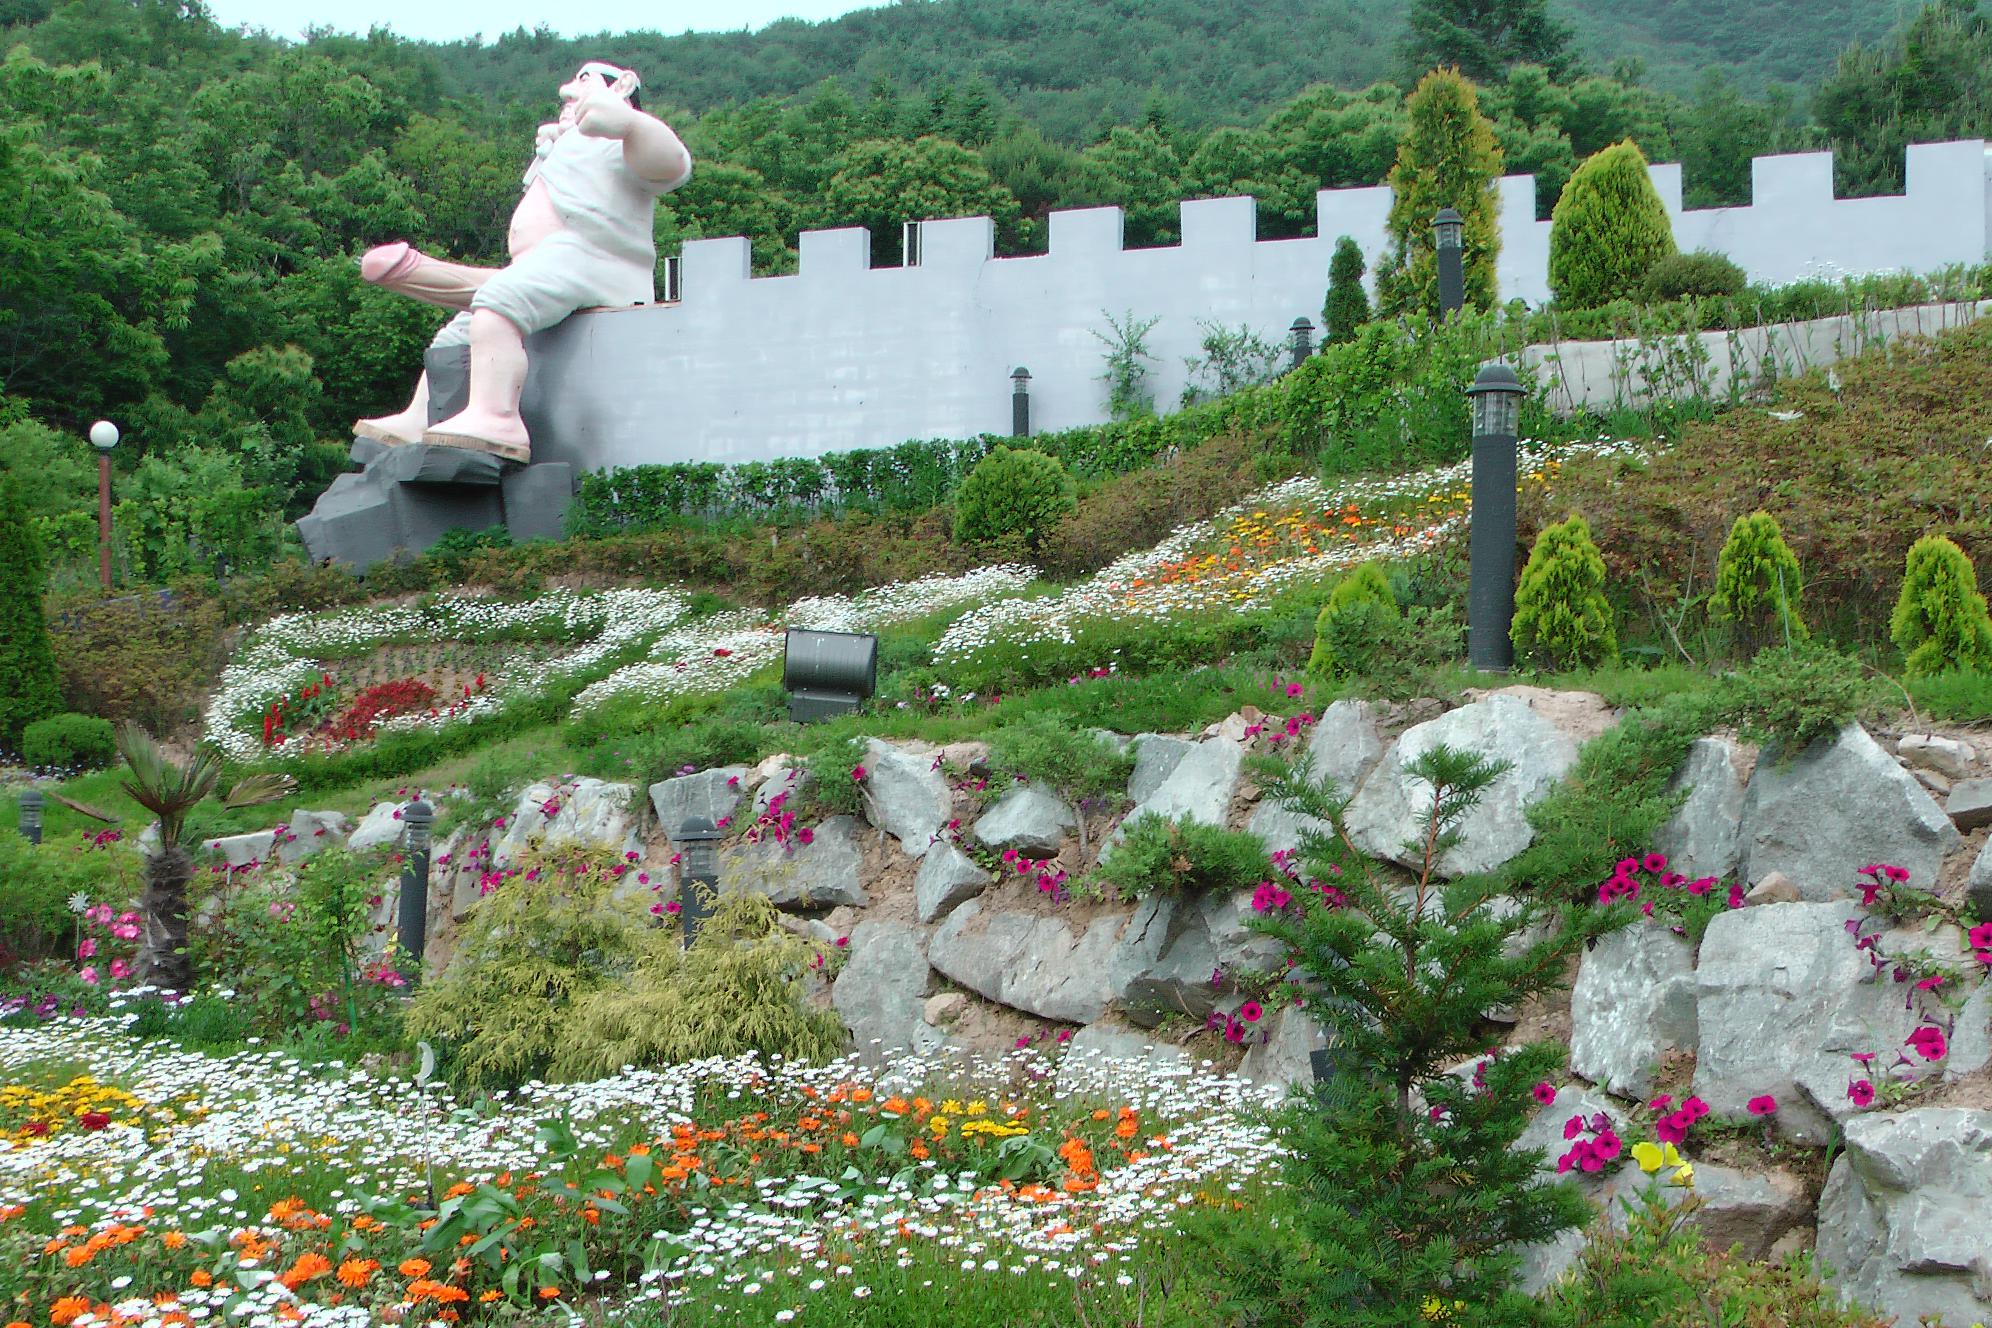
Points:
(1902, 1218)
(947, 877)
(1027, 819)
(1840, 803)
(905, 796)
(1156, 756)
(1198, 787)
(1345, 746)
(1978, 889)
(1285, 1058)
(826, 872)
(1634, 999)
(882, 990)
(1702, 838)
(309, 832)
(792, 780)
(588, 813)
(1946, 756)
(1733, 1208)
(1100, 1052)
(1784, 1000)
(1040, 965)
(380, 828)
(714, 794)
(239, 851)
(1543, 1263)
(1390, 811)
(1166, 959)
(1281, 826)
(1969, 805)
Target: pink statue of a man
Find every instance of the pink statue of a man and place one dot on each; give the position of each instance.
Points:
(580, 237)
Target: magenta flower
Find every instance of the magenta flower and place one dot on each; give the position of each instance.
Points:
(805, 836)
(843, 942)
(1606, 1147)
(1664, 1102)
(1763, 1106)
(1860, 1092)
(858, 774)
(674, 908)
(1573, 1127)
(1250, 1012)
(1928, 1042)
(1544, 1093)
(1655, 862)
(1980, 937)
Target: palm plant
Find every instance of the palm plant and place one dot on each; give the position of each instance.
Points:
(171, 789)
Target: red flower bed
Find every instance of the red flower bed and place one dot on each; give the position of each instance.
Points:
(382, 701)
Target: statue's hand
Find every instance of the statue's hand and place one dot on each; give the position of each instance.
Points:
(605, 115)
(545, 138)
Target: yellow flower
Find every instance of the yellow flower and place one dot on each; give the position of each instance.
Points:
(1652, 1157)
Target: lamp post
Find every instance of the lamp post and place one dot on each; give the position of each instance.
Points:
(1449, 235)
(104, 437)
(416, 819)
(1020, 403)
(1496, 396)
(1301, 340)
(698, 873)
(31, 815)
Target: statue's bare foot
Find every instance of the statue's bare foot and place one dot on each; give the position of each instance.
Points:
(501, 436)
(402, 429)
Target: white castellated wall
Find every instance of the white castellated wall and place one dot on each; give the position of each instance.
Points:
(842, 356)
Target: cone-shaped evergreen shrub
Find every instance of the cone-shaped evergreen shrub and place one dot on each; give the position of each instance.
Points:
(1940, 622)
(1608, 230)
(1013, 491)
(1353, 624)
(1562, 618)
(30, 688)
(1348, 308)
(1447, 158)
(1757, 585)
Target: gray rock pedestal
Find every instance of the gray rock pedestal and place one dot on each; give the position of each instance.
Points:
(826, 872)
(1634, 1000)
(1902, 1218)
(1099, 1052)
(1040, 965)
(1391, 808)
(1198, 786)
(881, 992)
(590, 814)
(1784, 1001)
(1166, 959)
(1702, 838)
(239, 851)
(1344, 746)
(1156, 756)
(1027, 819)
(905, 796)
(1840, 804)
(1733, 1208)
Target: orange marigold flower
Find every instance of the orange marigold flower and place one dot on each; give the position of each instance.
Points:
(458, 1190)
(414, 1267)
(486, 1297)
(592, 1216)
(173, 1240)
(66, 1310)
(356, 1272)
(549, 1293)
(78, 1256)
(309, 1268)
(201, 1277)
(19, 1323)
(849, 1140)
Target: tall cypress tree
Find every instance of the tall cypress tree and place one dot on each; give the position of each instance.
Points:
(1348, 308)
(30, 688)
(1447, 158)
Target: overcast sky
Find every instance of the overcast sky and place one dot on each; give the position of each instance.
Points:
(447, 20)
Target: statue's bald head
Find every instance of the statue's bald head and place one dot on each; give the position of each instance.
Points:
(600, 74)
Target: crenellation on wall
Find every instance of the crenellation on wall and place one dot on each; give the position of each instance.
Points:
(843, 355)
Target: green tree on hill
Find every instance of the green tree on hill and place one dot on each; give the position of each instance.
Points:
(1448, 158)
(30, 688)
(883, 184)
(1482, 38)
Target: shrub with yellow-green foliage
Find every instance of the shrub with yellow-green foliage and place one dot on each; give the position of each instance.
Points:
(1354, 623)
(1940, 621)
(1448, 157)
(1608, 229)
(531, 952)
(738, 989)
(1757, 584)
(1562, 618)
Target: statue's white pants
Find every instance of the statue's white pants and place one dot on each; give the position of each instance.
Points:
(551, 280)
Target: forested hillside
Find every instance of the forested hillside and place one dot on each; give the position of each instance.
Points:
(181, 205)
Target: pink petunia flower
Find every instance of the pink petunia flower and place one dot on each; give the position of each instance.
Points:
(1763, 1106)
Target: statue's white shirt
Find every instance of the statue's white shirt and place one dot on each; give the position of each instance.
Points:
(594, 194)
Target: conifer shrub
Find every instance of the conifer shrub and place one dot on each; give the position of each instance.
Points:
(1608, 229)
(532, 951)
(1408, 1192)
(1757, 584)
(1013, 491)
(1355, 624)
(1562, 618)
(1348, 306)
(1448, 157)
(738, 989)
(1701, 275)
(1163, 856)
(30, 688)
(1940, 623)
(69, 742)
(1790, 696)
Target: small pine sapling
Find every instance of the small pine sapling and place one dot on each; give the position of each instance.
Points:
(1757, 585)
(1940, 621)
(1354, 624)
(1562, 617)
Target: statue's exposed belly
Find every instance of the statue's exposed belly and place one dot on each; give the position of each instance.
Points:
(533, 220)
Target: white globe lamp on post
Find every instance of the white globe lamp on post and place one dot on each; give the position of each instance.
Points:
(104, 437)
